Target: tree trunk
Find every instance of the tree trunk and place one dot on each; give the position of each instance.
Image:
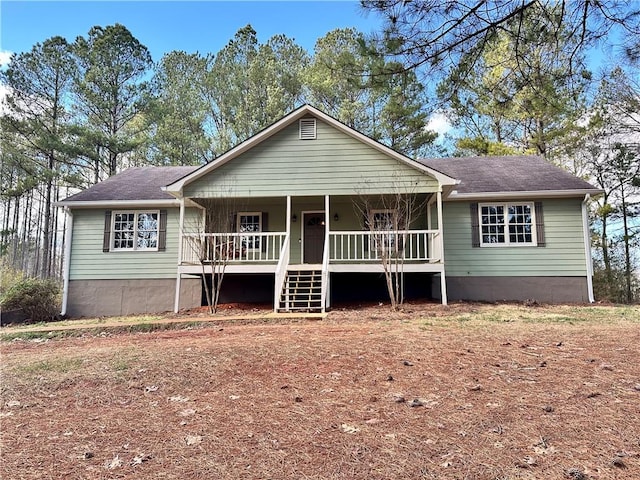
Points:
(604, 245)
(37, 269)
(113, 163)
(26, 232)
(46, 230)
(627, 251)
(15, 235)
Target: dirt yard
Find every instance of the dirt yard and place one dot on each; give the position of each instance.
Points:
(460, 392)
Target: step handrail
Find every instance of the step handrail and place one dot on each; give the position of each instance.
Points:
(325, 274)
(281, 274)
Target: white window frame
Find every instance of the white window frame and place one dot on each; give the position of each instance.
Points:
(257, 240)
(135, 247)
(507, 242)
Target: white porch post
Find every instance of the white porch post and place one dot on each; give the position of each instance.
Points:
(176, 302)
(441, 242)
(181, 231)
(288, 221)
(326, 218)
(443, 287)
(327, 295)
(443, 279)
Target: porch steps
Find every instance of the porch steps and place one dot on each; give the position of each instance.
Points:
(302, 291)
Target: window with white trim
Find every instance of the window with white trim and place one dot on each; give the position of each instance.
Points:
(250, 222)
(135, 230)
(507, 224)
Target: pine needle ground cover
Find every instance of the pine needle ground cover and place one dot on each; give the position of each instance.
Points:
(460, 392)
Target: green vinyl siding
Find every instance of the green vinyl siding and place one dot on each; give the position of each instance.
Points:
(89, 262)
(275, 208)
(563, 254)
(334, 164)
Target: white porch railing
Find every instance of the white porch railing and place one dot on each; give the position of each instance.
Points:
(232, 247)
(281, 275)
(368, 246)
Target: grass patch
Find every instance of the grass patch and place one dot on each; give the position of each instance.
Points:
(11, 336)
(478, 314)
(57, 365)
(124, 360)
(96, 330)
(97, 321)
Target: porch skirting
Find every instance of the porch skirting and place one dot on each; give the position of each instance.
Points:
(93, 298)
(496, 289)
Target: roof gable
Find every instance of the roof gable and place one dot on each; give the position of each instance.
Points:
(306, 111)
(335, 163)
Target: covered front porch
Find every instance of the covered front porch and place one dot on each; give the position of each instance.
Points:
(300, 240)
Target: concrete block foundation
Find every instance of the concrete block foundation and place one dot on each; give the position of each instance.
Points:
(98, 298)
(496, 289)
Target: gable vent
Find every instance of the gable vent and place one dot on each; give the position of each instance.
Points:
(308, 129)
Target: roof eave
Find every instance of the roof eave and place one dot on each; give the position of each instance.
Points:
(455, 196)
(118, 203)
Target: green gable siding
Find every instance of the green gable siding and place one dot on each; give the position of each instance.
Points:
(89, 262)
(563, 256)
(333, 164)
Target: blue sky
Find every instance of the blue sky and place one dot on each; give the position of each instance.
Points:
(193, 26)
(163, 26)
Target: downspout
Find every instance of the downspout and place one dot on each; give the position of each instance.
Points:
(587, 247)
(67, 261)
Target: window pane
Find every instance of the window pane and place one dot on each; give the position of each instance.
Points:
(383, 220)
(492, 221)
(250, 223)
(520, 224)
(123, 230)
(147, 236)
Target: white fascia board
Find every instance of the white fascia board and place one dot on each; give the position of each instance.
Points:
(454, 196)
(118, 203)
(176, 187)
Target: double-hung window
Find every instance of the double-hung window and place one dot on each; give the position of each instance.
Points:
(507, 224)
(135, 230)
(249, 222)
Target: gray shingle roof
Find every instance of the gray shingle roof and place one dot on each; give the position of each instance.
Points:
(477, 175)
(138, 183)
(506, 174)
